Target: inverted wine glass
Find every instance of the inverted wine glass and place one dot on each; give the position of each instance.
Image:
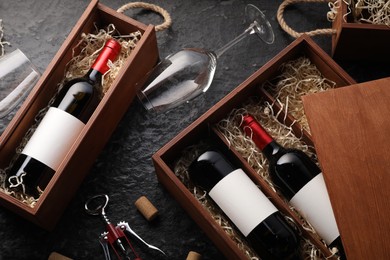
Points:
(186, 74)
(17, 77)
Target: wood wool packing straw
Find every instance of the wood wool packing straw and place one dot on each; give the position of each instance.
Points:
(147, 209)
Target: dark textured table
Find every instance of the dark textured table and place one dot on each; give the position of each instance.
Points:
(124, 169)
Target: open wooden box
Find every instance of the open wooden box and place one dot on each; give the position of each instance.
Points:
(359, 41)
(100, 126)
(204, 128)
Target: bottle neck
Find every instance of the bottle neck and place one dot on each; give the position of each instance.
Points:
(271, 150)
(256, 132)
(209, 168)
(94, 76)
(109, 53)
(260, 137)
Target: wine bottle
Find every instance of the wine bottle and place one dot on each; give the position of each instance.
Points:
(245, 205)
(299, 180)
(60, 127)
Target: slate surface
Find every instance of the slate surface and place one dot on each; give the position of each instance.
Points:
(124, 169)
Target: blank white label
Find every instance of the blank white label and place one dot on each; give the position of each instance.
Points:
(53, 137)
(242, 201)
(312, 202)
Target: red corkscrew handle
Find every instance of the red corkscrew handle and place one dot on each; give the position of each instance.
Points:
(115, 237)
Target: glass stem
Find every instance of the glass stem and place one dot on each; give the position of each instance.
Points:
(250, 30)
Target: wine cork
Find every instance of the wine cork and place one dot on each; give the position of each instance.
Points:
(192, 255)
(57, 256)
(147, 209)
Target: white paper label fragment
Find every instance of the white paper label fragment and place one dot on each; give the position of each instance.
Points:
(53, 137)
(312, 202)
(242, 201)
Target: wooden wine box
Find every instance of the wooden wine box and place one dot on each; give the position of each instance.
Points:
(100, 126)
(359, 41)
(204, 129)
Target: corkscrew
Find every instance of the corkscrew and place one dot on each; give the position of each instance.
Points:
(115, 236)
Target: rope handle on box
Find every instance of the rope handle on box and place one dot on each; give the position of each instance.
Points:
(295, 34)
(155, 8)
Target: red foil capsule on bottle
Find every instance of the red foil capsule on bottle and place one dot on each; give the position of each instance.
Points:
(254, 130)
(109, 52)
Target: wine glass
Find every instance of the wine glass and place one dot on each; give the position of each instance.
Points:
(17, 77)
(186, 74)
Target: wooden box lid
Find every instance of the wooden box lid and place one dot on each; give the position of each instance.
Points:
(350, 128)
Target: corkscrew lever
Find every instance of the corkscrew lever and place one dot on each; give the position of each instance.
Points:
(125, 226)
(104, 245)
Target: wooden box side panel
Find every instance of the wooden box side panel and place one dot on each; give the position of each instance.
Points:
(338, 25)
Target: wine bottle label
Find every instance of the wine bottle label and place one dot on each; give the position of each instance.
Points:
(312, 202)
(242, 201)
(53, 137)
